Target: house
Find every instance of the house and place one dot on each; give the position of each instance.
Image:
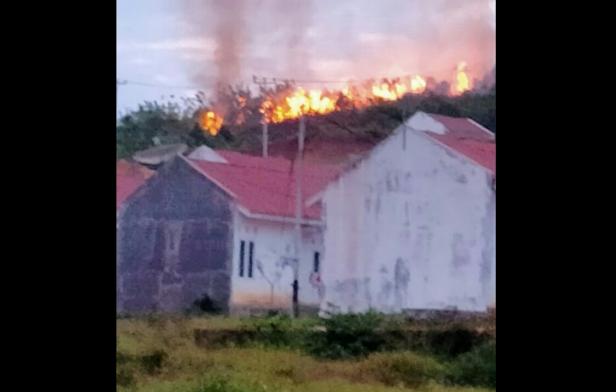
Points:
(220, 224)
(411, 225)
(129, 177)
(155, 156)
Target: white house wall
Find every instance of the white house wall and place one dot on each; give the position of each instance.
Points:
(411, 227)
(270, 287)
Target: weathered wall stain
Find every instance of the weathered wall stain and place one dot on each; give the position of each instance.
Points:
(426, 237)
(402, 278)
(460, 252)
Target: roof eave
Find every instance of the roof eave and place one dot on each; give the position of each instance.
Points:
(452, 150)
(276, 218)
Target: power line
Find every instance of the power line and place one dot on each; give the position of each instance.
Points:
(277, 80)
(274, 80)
(146, 84)
(119, 83)
(258, 80)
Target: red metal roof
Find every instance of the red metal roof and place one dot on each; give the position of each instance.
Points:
(467, 138)
(267, 185)
(129, 177)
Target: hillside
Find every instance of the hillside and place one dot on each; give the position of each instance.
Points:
(332, 138)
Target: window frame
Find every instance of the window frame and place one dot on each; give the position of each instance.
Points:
(251, 248)
(241, 258)
(316, 262)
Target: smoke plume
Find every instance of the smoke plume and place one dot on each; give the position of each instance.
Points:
(259, 36)
(341, 40)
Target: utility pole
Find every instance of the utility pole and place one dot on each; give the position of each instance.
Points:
(262, 82)
(298, 213)
(264, 136)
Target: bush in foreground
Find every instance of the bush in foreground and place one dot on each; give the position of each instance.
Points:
(403, 368)
(347, 336)
(221, 384)
(476, 367)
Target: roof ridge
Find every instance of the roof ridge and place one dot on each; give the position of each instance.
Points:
(286, 170)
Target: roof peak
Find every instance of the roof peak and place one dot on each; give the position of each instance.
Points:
(461, 134)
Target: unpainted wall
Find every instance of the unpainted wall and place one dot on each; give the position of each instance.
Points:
(174, 243)
(411, 227)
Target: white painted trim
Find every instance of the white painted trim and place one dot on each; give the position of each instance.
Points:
(481, 127)
(315, 198)
(452, 150)
(275, 218)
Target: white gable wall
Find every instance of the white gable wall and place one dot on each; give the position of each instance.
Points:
(411, 227)
(271, 287)
(205, 153)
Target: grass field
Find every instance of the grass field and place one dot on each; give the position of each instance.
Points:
(161, 355)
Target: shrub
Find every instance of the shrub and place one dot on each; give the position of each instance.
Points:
(205, 304)
(452, 341)
(277, 331)
(477, 367)
(129, 366)
(347, 336)
(124, 376)
(220, 384)
(122, 358)
(406, 368)
(152, 363)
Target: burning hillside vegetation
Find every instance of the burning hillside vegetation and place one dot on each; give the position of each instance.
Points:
(289, 102)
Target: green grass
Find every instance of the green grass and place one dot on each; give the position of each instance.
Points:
(159, 354)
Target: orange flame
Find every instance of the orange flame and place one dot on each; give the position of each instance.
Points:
(347, 92)
(210, 122)
(418, 84)
(389, 91)
(462, 81)
(298, 103)
(241, 104)
(287, 105)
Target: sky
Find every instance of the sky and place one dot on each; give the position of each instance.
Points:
(174, 48)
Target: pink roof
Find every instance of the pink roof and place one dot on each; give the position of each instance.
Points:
(129, 177)
(267, 185)
(467, 138)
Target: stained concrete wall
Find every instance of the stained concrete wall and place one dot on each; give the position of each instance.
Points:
(174, 243)
(270, 286)
(410, 227)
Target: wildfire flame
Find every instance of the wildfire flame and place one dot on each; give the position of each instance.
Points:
(462, 81)
(241, 104)
(291, 103)
(210, 122)
(418, 84)
(299, 102)
(389, 91)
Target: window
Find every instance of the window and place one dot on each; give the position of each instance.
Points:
(242, 258)
(251, 252)
(316, 262)
(250, 256)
